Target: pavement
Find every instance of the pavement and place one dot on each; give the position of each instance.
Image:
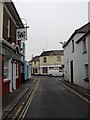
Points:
(13, 98)
(82, 91)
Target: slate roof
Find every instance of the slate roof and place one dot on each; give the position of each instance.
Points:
(84, 29)
(34, 59)
(52, 52)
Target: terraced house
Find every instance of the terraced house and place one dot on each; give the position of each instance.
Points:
(48, 60)
(10, 55)
(76, 57)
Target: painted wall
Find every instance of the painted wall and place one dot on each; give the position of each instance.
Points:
(27, 70)
(79, 61)
(51, 62)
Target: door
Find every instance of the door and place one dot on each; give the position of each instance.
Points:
(13, 76)
(71, 65)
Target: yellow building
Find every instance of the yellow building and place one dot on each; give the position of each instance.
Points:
(50, 60)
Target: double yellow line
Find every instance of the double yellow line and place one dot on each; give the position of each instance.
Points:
(24, 111)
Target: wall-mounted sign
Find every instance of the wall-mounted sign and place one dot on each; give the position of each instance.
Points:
(21, 34)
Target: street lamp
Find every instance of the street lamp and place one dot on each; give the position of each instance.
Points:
(25, 23)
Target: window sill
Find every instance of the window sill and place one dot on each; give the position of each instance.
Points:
(6, 79)
(84, 52)
(86, 79)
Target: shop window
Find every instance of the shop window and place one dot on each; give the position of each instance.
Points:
(6, 69)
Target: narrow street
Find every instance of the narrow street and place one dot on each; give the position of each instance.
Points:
(51, 99)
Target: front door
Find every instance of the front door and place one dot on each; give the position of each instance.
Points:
(71, 65)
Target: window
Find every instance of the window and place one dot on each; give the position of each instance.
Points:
(35, 71)
(16, 69)
(35, 62)
(9, 28)
(84, 46)
(58, 58)
(44, 60)
(44, 69)
(51, 68)
(86, 73)
(6, 68)
(86, 68)
(72, 45)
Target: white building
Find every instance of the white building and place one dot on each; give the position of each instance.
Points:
(76, 57)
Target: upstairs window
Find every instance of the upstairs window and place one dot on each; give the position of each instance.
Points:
(58, 58)
(44, 60)
(84, 46)
(72, 45)
(9, 28)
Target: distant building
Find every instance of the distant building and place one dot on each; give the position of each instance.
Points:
(10, 55)
(46, 61)
(76, 57)
(51, 59)
(35, 65)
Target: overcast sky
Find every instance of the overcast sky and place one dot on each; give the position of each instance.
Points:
(50, 23)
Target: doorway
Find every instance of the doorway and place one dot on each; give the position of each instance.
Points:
(71, 65)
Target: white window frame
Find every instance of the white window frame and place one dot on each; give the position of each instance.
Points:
(9, 27)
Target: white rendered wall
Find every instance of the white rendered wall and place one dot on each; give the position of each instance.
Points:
(14, 76)
(79, 61)
(10, 74)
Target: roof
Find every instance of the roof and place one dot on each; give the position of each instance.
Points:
(82, 37)
(52, 52)
(83, 29)
(34, 59)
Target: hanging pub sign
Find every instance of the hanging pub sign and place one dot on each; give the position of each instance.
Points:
(21, 34)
